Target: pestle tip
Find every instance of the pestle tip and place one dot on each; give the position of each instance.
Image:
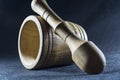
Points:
(89, 58)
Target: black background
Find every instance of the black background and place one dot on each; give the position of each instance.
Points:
(100, 19)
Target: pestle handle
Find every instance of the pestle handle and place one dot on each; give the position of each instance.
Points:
(87, 56)
(42, 8)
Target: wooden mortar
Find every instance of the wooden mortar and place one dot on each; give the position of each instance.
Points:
(39, 47)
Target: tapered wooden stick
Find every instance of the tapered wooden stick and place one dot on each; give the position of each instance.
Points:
(87, 56)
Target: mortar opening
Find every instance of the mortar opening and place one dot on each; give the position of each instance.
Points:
(29, 42)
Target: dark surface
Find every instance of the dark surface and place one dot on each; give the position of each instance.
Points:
(100, 18)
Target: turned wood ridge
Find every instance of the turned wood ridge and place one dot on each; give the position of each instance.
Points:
(86, 55)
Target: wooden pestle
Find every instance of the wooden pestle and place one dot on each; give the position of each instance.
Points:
(87, 56)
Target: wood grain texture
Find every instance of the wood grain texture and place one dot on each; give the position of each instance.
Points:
(54, 51)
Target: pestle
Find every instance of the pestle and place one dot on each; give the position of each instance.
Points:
(85, 54)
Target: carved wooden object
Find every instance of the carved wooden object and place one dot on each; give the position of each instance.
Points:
(87, 56)
(39, 47)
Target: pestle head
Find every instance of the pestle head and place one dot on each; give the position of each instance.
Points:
(89, 58)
